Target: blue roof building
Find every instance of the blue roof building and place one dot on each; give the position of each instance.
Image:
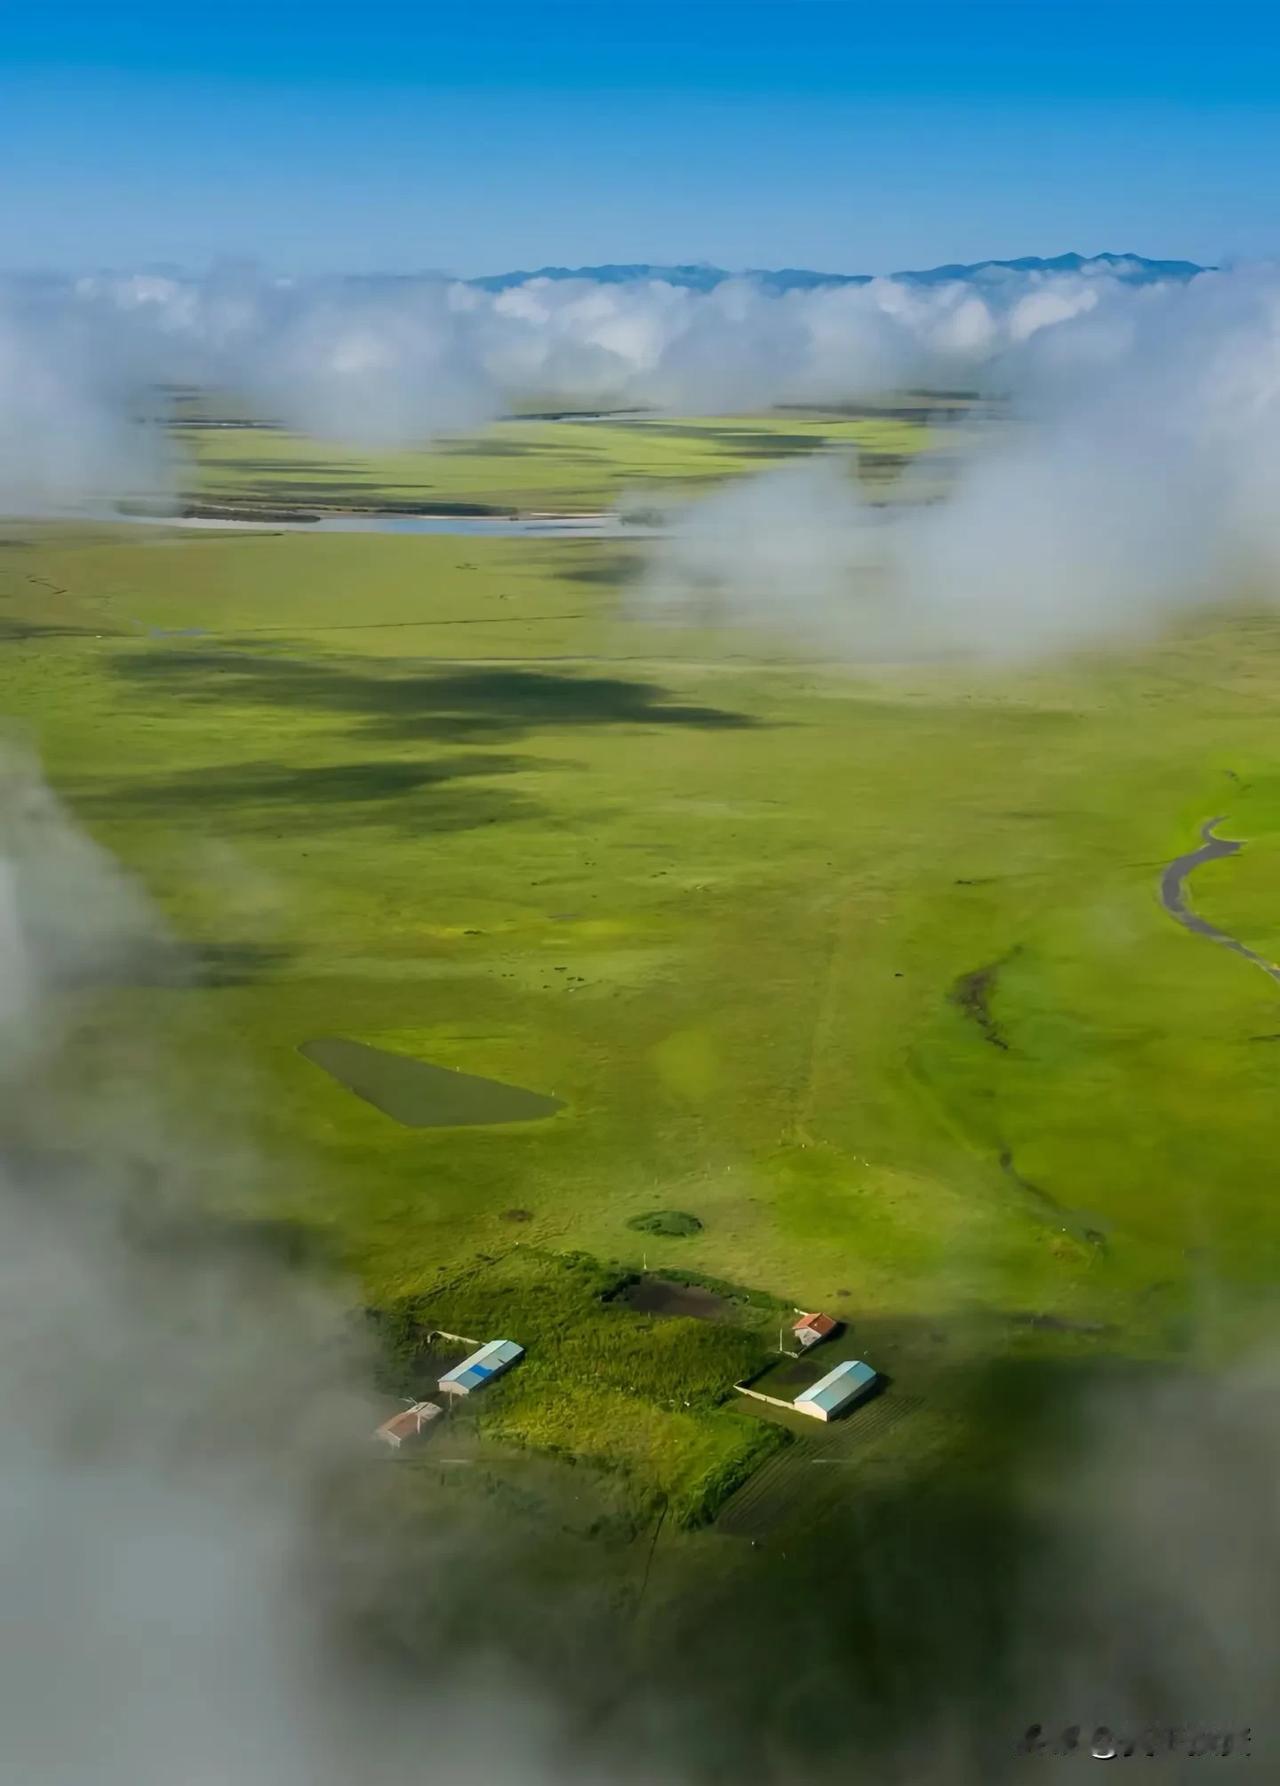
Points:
(838, 1390)
(474, 1372)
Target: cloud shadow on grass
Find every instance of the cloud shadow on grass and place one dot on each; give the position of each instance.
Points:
(449, 705)
(944, 1606)
(238, 964)
(16, 631)
(387, 702)
(610, 569)
(427, 798)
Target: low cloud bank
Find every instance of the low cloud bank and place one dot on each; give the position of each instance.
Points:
(1139, 481)
(387, 361)
(1057, 546)
(187, 1531)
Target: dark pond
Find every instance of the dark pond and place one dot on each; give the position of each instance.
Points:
(423, 1096)
(653, 1295)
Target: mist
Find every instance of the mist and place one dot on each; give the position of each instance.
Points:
(1134, 478)
(1134, 482)
(196, 1565)
(391, 361)
(1045, 549)
(182, 1417)
(191, 1521)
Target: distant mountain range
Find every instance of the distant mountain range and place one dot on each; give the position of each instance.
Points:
(1134, 269)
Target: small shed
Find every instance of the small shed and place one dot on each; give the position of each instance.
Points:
(482, 1366)
(409, 1423)
(809, 1329)
(837, 1392)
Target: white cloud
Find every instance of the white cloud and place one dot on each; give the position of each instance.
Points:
(394, 360)
(1139, 481)
(1142, 478)
(181, 1486)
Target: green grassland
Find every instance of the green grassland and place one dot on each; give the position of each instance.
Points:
(623, 1392)
(864, 967)
(551, 466)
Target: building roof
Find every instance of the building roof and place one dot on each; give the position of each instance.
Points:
(408, 1421)
(819, 1324)
(849, 1379)
(487, 1362)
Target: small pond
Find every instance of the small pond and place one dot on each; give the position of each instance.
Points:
(655, 1295)
(423, 1096)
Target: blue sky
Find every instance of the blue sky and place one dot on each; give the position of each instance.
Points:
(822, 133)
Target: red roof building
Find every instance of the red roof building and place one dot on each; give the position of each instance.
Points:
(809, 1329)
(409, 1424)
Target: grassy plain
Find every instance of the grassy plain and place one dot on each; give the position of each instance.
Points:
(554, 466)
(862, 966)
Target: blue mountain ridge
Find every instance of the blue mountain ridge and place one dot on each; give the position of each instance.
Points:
(1133, 269)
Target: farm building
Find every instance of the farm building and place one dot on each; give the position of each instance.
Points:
(410, 1423)
(474, 1372)
(837, 1391)
(809, 1329)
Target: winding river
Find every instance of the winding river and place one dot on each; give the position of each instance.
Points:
(1174, 899)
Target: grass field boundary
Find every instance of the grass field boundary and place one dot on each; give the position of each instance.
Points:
(794, 1485)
